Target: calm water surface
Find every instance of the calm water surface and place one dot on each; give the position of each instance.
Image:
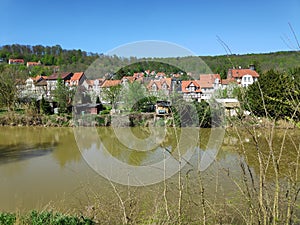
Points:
(42, 167)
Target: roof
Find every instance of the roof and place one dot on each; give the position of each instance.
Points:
(100, 81)
(33, 63)
(129, 78)
(41, 83)
(185, 84)
(110, 83)
(159, 83)
(167, 81)
(160, 74)
(238, 73)
(77, 76)
(63, 76)
(16, 60)
(228, 81)
(208, 80)
(137, 75)
(155, 82)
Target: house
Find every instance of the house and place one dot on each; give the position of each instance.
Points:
(226, 82)
(244, 77)
(15, 61)
(30, 64)
(162, 108)
(77, 79)
(88, 84)
(209, 83)
(110, 83)
(52, 80)
(160, 86)
(32, 89)
(126, 80)
(160, 75)
(138, 75)
(88, 108)
(231, 106)
(191, 90)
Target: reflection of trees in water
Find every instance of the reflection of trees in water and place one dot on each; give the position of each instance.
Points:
(27, 142)
(23, 151)
(174, 137)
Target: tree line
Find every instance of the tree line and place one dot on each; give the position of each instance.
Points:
(79, 60)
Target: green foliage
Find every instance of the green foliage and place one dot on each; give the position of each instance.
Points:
(275, 95)
(78, 60)
(50, 218)
(112, 95)
(134, 96)
(151, 65)
(10, 78)
(45, 107)
(231, 91)
(204, 113)
(7, 218)
(63, 96)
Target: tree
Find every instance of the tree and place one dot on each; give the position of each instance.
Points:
(11, 84)
(275, 95)
(63, 96)
(45, 107)
(112, 94)
(132, 96)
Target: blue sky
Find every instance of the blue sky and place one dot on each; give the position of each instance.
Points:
(99, 26)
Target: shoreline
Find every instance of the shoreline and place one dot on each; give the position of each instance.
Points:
(14, 119)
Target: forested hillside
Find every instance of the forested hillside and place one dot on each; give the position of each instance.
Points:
(79, 60)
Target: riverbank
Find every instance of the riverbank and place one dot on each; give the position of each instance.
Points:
(132, 119)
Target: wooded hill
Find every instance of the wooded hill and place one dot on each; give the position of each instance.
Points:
(78, 60)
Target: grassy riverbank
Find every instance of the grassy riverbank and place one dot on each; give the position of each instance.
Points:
(19, 118)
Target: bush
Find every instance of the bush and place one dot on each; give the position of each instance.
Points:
(7, 218)
(44, 218)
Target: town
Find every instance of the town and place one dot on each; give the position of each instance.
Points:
(155, 83)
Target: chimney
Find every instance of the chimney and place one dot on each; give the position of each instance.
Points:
(252, 67)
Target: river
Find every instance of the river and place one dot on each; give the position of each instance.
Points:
(42, 168)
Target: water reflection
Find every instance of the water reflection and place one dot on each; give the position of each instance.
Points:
(42, 165)
(22, 151)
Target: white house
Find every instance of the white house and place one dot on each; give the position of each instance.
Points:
(244, 77)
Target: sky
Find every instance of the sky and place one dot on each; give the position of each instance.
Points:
(256, 26)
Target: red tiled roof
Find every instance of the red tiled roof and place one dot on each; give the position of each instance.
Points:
(55, 76)
(208, 80)
(137, 75)
(33, 63)
(186, 83)
(159, 83)
(129, 78)
(110, 83)
(77, 76)
(161, 74)
(154, 82)
(167, 81)
(228, 81)
(238, 73)
(16, 60)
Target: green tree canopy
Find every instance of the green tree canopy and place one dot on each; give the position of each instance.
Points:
(275, 95)
(63, 95)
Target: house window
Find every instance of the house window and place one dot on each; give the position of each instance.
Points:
(154, 87)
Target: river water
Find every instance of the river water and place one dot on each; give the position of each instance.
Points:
(42, 168)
